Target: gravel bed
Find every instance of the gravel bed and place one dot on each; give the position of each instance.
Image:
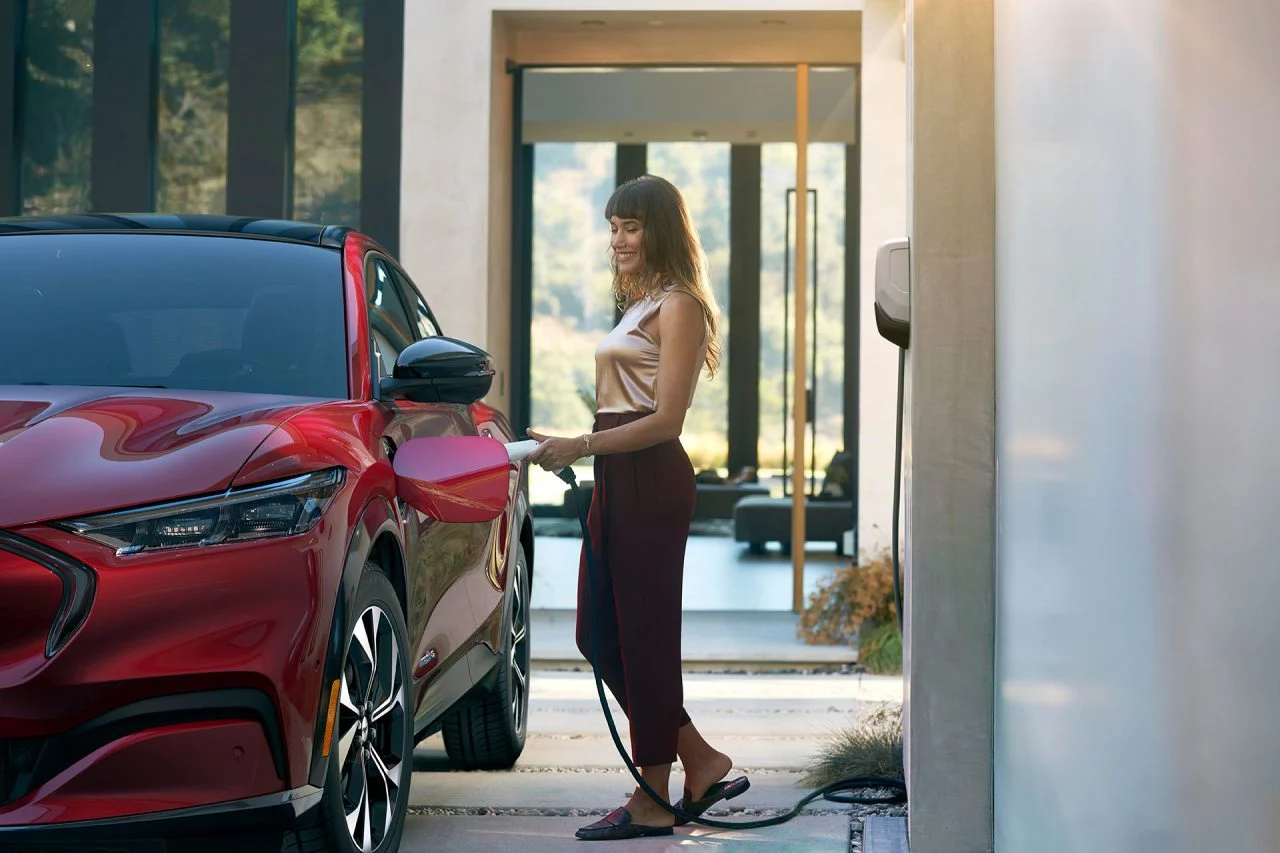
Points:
(860, 812)
(490, 811)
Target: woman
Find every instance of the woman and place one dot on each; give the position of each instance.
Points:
(646, 372)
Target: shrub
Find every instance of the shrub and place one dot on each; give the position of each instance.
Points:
(857, 604)
(871, 747)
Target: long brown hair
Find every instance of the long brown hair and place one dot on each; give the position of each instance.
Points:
(672, 252)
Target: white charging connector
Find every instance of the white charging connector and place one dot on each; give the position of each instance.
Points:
(518, 450)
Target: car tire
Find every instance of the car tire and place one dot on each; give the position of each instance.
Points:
(366, 792)
(488, 732)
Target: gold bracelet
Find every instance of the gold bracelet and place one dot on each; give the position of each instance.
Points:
(586, 439)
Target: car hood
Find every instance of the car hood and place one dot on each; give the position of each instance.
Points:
(71, 451)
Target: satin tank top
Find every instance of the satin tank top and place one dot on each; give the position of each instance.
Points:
(627, 361)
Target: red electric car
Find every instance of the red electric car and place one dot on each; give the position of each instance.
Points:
(258, 536)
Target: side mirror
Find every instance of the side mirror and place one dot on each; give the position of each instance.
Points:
(453, 478)
(439, 370)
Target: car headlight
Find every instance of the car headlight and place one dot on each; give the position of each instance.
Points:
(282, 508)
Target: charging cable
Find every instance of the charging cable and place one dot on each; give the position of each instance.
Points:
(842, 791)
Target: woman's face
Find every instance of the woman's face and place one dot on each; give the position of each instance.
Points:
(627, 241)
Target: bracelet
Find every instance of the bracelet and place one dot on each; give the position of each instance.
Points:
(586, 439)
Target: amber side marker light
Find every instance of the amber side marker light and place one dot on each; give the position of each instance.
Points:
(329, 720)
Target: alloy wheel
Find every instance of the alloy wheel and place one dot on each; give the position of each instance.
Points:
(372, 716)
(518, 648)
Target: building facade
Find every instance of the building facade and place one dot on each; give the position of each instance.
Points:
(420, 122)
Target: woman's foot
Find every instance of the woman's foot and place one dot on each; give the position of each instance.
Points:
(619, 825)
(701, 775)
(645, 812)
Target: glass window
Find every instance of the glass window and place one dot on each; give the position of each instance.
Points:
(825, 315)
(424, 323)
(57, 121)
(179, 311)
(573, 306)
(327, 129)
(700, 170)
(191, 143)
(387, 316)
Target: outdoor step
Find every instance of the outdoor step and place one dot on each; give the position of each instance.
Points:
(494, 834)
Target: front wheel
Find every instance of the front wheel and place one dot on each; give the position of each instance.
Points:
(488, 733)
(366, 791)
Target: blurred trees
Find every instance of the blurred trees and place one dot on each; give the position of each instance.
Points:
(57, 121)
(327, 129)
(191, 147)
(191, 167)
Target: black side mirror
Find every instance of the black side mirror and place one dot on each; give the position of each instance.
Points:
(439, 370)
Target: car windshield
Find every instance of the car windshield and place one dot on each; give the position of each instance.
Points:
(192, 312)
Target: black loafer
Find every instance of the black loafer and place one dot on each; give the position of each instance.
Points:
(617, 826)
(717, 792)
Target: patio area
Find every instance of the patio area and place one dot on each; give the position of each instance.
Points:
(737, 607)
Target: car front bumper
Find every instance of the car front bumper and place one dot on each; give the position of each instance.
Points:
(193, 680)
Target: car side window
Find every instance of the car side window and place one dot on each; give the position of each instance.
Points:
(390, 329)
(425, 322)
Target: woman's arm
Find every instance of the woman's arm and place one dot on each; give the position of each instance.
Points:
(681, 328)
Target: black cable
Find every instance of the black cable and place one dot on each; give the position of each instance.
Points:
(838, 792)
(897, 488)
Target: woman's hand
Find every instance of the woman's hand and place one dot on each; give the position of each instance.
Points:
(555, 453)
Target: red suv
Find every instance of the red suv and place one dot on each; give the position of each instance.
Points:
(258, 535)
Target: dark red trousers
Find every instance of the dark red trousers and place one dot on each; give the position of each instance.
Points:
(639, 522)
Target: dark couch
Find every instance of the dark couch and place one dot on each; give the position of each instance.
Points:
(714, 500)
(760, 520)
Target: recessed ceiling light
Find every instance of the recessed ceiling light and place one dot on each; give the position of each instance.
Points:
(592, 23)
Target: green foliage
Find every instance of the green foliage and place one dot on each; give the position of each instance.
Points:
(327, 129)
(880, 649)
(57, 124)
(191, 172)
(856, 603)
(871, 747)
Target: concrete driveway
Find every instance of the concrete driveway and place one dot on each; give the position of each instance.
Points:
(570, 773)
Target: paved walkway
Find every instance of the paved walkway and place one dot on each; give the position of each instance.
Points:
(570, 774)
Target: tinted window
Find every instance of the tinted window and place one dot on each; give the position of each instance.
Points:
(390, 328)
(386, 311)
(191, 312)
(423, 321)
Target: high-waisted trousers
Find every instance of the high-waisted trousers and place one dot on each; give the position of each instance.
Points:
(639, 518)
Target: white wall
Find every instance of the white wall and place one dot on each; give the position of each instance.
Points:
(884, 217)
(1139, 196)
(444, 185)
(949, 460)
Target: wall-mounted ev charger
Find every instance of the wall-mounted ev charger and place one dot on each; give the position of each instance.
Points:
(893, 291)
(893, 319)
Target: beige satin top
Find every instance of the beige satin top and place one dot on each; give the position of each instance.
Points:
(627, 361)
